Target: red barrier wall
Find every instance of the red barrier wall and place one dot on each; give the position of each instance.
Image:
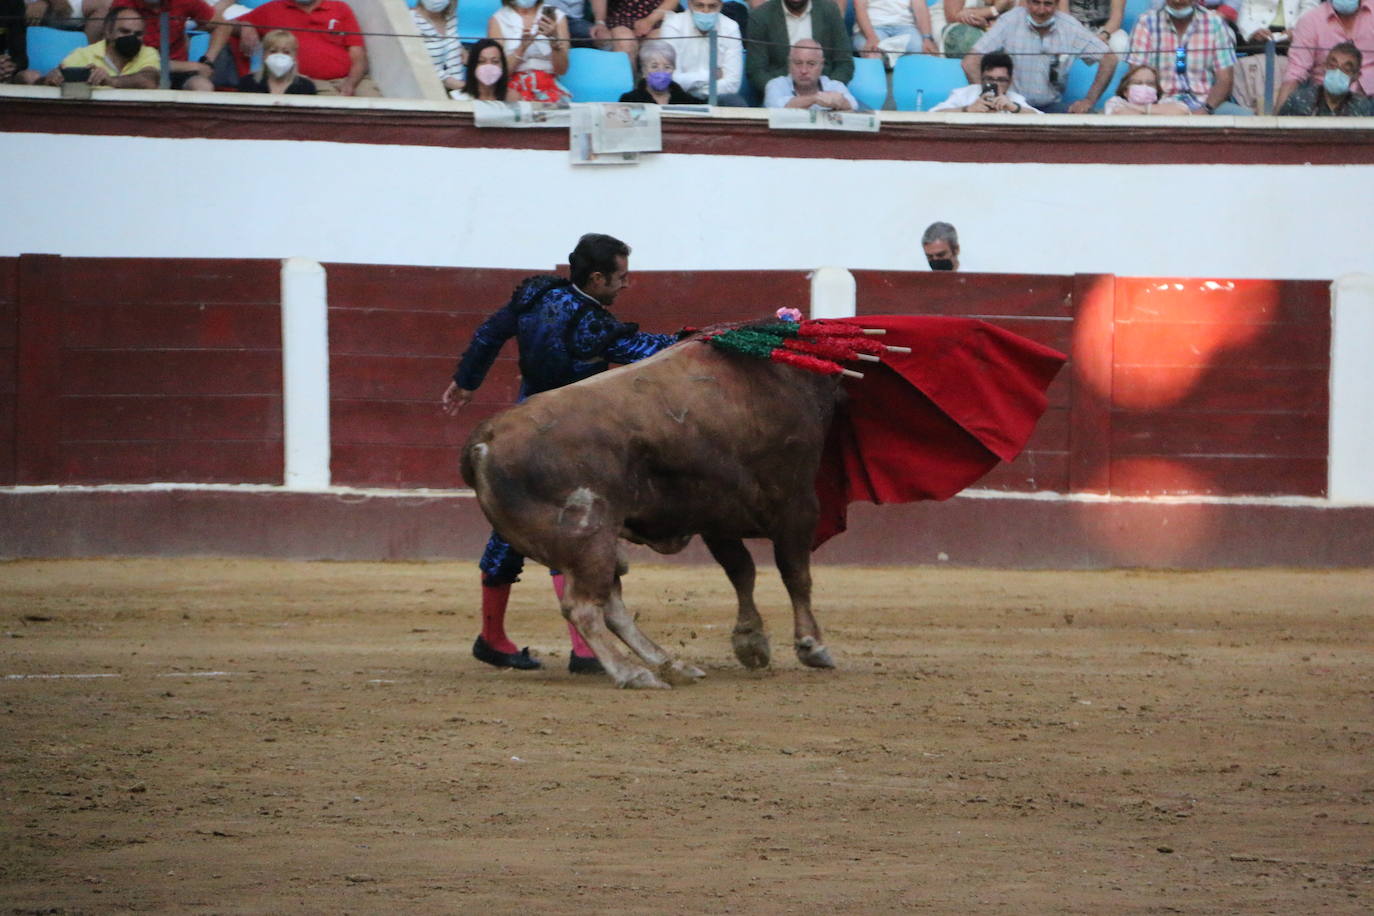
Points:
(147, 370)
(9, 328)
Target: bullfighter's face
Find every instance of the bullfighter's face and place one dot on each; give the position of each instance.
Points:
(605, 288)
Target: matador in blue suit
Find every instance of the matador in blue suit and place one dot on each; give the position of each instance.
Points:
(566, 333)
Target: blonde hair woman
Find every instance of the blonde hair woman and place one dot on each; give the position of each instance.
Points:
(278, 74)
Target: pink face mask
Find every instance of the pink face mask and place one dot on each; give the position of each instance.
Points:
(1141, 94)
(487, 74)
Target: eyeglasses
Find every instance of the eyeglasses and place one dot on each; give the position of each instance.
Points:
(1181, 61)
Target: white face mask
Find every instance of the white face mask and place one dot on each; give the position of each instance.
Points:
(434, 6)
(279, 64)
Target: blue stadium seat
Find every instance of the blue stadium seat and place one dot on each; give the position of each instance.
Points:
(1134, 10)
(869, 84)
(472, 18)
(927, 79)
(48, 46)
(597, 76)
(251, 4)
(1080, 80)
(197, 43)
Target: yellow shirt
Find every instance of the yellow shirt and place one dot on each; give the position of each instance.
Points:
(95, 56)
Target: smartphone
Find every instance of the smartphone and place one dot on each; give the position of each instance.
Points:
(989, 88)
(76, 74)
(549, 13)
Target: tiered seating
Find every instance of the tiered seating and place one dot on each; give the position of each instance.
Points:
(1080, 80)
(869, 84)
(597, 76)
(48, 46)
(920, 82)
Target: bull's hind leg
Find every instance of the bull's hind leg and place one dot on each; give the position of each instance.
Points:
(792, 552)
(749, 639)
(591, 596)
(622, 624)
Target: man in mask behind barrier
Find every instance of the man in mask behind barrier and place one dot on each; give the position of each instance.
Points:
(331, 44)
(1321, 29)
(120, 60)
(941, 244)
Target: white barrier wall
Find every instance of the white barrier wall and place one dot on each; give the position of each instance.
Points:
(388, 204)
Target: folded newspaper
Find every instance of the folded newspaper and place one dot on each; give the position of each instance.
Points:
(519, 114)
(821, 119)
(607, 133)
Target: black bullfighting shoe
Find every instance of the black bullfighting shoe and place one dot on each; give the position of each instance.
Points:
(483, 652)
(579, 665)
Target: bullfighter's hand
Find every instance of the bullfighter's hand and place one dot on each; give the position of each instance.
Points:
(454, 399)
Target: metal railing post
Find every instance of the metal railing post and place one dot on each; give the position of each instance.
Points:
(1269, 61)
(164, 44)
(711, 63)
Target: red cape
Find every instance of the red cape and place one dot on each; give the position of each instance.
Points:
(927, 424)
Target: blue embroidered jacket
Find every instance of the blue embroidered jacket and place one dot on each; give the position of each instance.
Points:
(564, 336)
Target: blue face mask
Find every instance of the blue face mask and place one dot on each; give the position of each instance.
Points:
(705, 22)
(1180, 14)
(1345, 7)
(659, 80)
(525, 4)
(1336, 82)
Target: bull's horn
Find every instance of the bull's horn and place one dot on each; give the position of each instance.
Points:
(851, 373)
(897, 349)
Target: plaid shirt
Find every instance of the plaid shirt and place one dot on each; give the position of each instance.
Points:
(1034, 54)
(1207, 45)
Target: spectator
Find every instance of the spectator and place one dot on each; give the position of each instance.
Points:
(992, 92)
(279, 75)
(1320, 30)
(437, 23)
(1333, 96)
(331, 44)
(120, 60)
(621, 24)
(185, 74)
(805, 86)
(941, 244)
(1257, 22)
(967, 21)
(14, 54)
(1045, 42)
(901, 26)
(579, 25)
(1138, 94)
(657, 60)
(777, 25)
(1103, 18)
(688, 33)
(534, 37)
(487, 75)
(72, 15)
(1192, 51)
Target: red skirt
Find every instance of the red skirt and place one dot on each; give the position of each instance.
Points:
(536, 86)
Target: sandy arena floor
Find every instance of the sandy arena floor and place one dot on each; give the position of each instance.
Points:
(236, 736)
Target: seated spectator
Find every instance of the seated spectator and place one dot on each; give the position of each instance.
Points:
(1192, 51)
(535, 39)
(1321, 29)
(688, 33)
(1334, 95)
(901, 26)
(657, 62)
(14, 53)
(278, 75)
(1138, 94)
(992, 92)
(967, 21)
(331, 44)
(579, 24)
(1103, 19)
(185, 74)
(940, 242)
(487, 75)
(805, 85)
(72, 15)
(1045, 41)
(437, 23)
(622, 24)
(778, 24)
(120, 60)
(1258, 22)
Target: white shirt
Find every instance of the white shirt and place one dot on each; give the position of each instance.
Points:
(693, 48)
(1254, 15)
(799, 26)
(889, 13)
(967, 95)
(780, 90)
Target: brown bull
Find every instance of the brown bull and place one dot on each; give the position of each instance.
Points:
(690, 441)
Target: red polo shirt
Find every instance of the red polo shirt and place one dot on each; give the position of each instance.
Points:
(325, 33)
(178, 12)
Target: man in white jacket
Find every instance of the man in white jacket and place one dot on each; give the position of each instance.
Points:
(689, 33)
(1258, 21)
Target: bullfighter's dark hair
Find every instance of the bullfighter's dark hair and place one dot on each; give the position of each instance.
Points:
(595, 253)
(994, 60)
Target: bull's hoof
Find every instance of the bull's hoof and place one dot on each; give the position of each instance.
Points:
(680, 674)
(751, 648)
(641, 679)
(813, 654)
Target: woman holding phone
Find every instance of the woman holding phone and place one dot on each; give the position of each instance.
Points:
(534, 36)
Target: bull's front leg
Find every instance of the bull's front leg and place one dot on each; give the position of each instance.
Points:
(749, 639)
(586, 602)
(622, 624)
(792, 553)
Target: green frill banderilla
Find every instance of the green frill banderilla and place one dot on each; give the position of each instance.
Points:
(819, 346)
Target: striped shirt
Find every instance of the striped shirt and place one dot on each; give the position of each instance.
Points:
(1036, 56)
(445, 50)
(1207, 48)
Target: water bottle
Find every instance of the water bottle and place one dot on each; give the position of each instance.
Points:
(920, 100)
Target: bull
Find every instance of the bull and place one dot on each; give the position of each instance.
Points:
(695, 440)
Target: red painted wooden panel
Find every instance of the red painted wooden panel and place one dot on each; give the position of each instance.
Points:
(1090, 375)
(403, 466)
(401, 423)
(154, 326)
(1219, 476)
(444, 289)
(663, 301)
(397, 332)
(177, 372)
(7, 380)
(1233, 346)
(38, 370)
(140, 281)
(173, 462)
(9, 334)
(142, 417)
(418, 378)
(1188, 433)
(1212, 301)
(1242, 388)
(890, 292)
(1031, 471)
